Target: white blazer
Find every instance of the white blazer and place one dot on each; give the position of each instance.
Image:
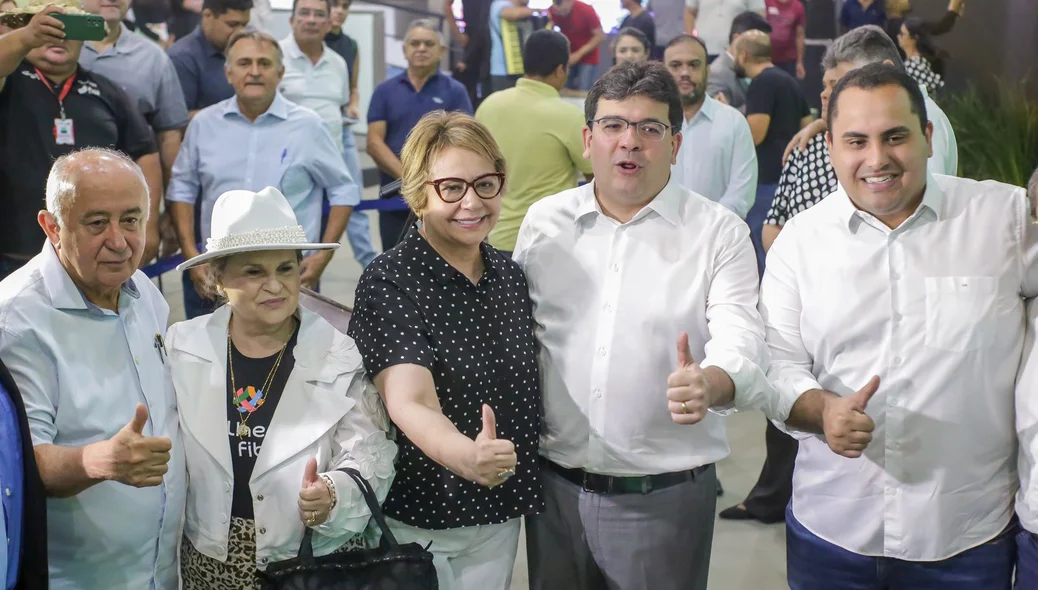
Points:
(328, 410)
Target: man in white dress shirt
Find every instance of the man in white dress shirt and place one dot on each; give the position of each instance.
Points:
(717, 158)
(1027, 432)
(894, 316)
(644, 299)
(80, 331)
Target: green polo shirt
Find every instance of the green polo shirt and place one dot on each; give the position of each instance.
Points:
(540, 137)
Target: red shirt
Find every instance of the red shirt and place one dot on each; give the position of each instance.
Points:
(785, 18)
(578, 27)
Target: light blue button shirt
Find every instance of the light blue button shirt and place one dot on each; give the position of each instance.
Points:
(717, 157)
(288, 147)
(82, 371)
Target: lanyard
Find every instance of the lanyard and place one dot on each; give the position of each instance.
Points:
(61, 95)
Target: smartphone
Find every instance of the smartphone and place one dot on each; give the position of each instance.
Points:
(349, 120)
(82, 27)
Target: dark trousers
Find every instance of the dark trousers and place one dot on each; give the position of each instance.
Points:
(194, 304)
(502, 82)
(1026, 560)
(655, 541)
(789, 66)
(391, 227)
(755, 219)
(769, 497)
(815, 564)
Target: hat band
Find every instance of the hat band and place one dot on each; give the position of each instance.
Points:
(289, 235)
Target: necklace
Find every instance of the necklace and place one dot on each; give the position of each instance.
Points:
(248, 399)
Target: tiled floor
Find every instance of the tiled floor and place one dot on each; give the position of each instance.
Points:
(745, 556)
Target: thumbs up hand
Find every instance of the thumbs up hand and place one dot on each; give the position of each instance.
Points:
(131, 458)
(848, 429)
(492, 461)
(688, 391)
(315, 497)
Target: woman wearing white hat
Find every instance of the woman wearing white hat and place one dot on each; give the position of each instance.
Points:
(261, 372)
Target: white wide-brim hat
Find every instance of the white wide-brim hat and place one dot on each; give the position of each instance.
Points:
(244, 221)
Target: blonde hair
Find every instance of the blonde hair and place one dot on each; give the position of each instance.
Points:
(434, 133)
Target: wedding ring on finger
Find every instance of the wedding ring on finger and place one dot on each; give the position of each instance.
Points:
(313, 518)
(684, 408)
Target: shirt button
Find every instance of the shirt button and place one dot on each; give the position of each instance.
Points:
(7, 492)
(598, 393)
(896, 276)
(223, 518)
(616, 268)
(897, 317)
(262, 531)
(897, 360)
(137, 360)
(263, 560)
(601, 351)
(259, 498)
(891, 491)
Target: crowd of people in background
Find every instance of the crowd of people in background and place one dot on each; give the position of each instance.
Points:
(565, 307)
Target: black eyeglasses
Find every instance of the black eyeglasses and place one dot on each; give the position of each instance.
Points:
(452, 190)
(613, 127)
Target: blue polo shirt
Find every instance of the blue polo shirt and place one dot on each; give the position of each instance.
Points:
(396, 102)
(199, 66)
(852, 15)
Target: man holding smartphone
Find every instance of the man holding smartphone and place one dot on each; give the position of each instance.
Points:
(49, 106)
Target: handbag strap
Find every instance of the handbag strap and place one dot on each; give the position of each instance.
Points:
(306, 546)
(373, 505)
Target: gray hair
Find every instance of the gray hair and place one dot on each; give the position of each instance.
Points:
(427, 24)
(64, 174)
(862, 46)
(255, 36)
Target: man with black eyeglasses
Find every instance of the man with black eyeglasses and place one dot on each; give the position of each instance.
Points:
(400, 102)
(645, 307)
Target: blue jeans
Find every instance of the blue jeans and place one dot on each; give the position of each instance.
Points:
(1026, 560)
(581, 76)
(358, 230)
(815, 564)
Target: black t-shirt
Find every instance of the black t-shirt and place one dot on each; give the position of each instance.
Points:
(345, 46)
(644, 23)
(412, 307)
(101, 115)
(249, 376)
(774, 92)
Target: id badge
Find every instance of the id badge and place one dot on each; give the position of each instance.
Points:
(63, 132)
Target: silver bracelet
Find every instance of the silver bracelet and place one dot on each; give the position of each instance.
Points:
(331, 489)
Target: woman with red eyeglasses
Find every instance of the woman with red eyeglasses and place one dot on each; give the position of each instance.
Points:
(444, 323)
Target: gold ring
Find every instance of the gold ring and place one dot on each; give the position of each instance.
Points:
(313, 518)
(684, 408)
(506, 473)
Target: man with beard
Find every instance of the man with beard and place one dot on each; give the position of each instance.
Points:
(717, 157)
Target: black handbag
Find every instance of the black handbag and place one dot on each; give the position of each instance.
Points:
(390, 566)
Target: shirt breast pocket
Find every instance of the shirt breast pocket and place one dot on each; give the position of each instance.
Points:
(961, 312)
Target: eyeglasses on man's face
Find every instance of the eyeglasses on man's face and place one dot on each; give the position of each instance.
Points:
(452, 190)
(613, 127)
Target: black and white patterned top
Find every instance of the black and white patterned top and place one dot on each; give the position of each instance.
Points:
(919, 68)
(807, 178)
(412, 307)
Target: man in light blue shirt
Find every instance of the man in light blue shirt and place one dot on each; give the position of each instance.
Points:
(510, 25)
(80, 332)
(717, 158)
(251, 141)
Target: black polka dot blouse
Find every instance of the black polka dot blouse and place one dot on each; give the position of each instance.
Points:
(807, 178)
(919, 68)
(412, 307)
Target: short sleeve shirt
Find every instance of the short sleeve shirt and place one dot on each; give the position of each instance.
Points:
(777, 94)
(200, 67)
(578, 26)
(396, 102)
(477, 340)
(143, 70)
(102, 116)
(785, 18)
(644, 23)
(807, 178)
(854, 15)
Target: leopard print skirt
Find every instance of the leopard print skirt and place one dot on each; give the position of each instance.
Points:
(200, 572)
